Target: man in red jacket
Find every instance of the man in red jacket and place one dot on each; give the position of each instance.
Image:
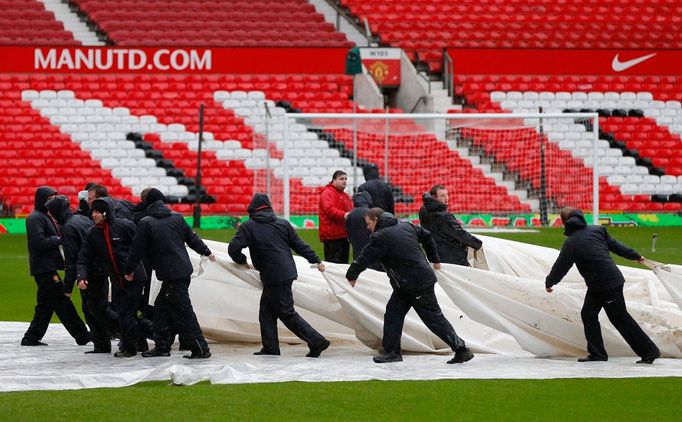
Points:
(335, 204)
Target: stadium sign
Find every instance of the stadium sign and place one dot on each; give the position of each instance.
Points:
(383, 64)
(172, 60)
(121, 59)
(565, 61)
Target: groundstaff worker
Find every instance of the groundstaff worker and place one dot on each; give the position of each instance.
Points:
(74, 228)
(270, 240)
(451, 239)
(44, 260)
(588, 248)
(161, 236)
(108, 245)
(380, 191)
(397, 246)
(335, 204)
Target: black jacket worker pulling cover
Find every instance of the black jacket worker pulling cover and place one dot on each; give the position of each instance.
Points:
(588, 248)
(161, 236)
(44, 260)
(451, 239)
(397, 245)
(270, 240)
(108, 244)
(74, 230)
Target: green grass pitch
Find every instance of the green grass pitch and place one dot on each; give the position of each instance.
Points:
(563, 399)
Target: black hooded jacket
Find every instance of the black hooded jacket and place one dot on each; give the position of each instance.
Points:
(270, 240)
(74, 228)
(42, 236)
(452, 240)
(124, 209)
(398, 246)
(355, 222)
(161, 237)
(380, 191)
(588, 248)
(108, 244)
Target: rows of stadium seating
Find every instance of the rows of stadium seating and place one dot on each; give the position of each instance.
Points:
(272, 23)
(26, 22)
(427, 27)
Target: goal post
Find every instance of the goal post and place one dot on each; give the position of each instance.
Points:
(493, 164)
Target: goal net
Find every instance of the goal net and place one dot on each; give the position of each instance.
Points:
(495, 165)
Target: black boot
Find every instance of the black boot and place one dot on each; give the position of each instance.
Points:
(462, 355)
(387, 357)
(204, 355)
(29, 342)
(649, 360)
(154, 353)
(315, 351)
(266, 352)
(592, 358)
(124, 354)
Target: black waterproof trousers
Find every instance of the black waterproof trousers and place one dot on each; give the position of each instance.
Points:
(126, 299)
(94, 303)
(337, 251)
(173, 303)
(426, 305)
(613, 303)
(50, 299)
(277, 302)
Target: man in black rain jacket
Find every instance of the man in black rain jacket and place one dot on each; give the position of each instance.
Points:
(161, 236)
(358, 234)
(44, 260)
(588, 248)
(108, 243)
(397, 246)
(451, 239)
(74, 229)
(380, 191)
(270, 240)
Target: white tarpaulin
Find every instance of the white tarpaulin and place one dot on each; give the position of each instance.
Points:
(486, 307)
(63, 366)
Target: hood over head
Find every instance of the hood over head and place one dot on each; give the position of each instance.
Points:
(573, 220)
(42, 193)
(362, 200)
(386, 220)
(370, 172)
(60, 208)
(260, 208)
(432, 204)
(154, 195)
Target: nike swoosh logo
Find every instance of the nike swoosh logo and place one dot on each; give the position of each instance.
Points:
(619, 66)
